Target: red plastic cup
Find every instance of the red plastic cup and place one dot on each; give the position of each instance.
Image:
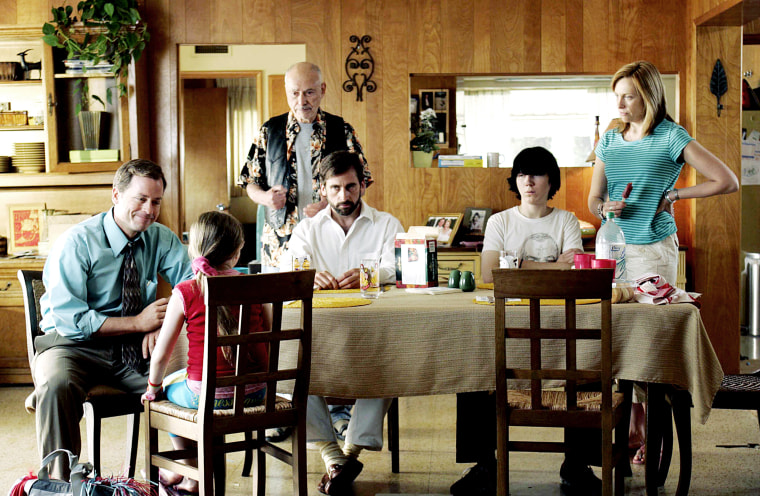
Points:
(583, 260)
(602, 263)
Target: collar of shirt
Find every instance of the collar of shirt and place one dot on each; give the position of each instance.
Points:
(367, 212)
(292, 127)
(117, 240)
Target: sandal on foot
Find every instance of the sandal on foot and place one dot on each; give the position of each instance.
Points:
(640, 458)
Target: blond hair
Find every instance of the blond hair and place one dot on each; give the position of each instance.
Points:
(216, 236)
(648, 83)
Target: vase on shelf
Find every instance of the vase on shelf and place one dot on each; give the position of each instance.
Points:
(422, 159)
(89, 126)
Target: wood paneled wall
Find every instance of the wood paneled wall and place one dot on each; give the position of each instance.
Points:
(429, 36)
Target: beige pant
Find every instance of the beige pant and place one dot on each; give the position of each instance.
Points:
(660, 257)
(62, 377)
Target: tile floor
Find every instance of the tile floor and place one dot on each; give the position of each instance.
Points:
(427, 455)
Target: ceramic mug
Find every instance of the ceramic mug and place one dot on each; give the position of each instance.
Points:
(495, 159)
(454, 278)
(467, 281)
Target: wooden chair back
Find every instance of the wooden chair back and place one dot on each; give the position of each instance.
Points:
(538, 407)
(208, 426)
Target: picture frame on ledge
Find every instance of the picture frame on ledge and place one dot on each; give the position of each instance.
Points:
(25, 227)
(449, 224)
(475, 219)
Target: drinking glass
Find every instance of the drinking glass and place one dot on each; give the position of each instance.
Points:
(369, 277)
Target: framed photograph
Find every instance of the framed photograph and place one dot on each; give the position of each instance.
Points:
(447, 224)
(441, 100)
(426, 99)
(25, 227)
(475, 219)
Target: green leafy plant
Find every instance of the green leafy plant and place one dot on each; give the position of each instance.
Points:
(424, 139)
(110, 31)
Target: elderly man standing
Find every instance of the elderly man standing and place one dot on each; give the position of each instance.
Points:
(281, 170)
(335, 240)
(100, 316)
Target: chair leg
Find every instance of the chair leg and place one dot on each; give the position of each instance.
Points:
(260, 465)
(393, 435)
(248, 460)
(682, 413)
(151, 446)
(220, 474)
(299, 458)
(655, 413)
(667, 444)
(93, 436)
(133, 431)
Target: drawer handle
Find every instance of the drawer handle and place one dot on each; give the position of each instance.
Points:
(7, 287)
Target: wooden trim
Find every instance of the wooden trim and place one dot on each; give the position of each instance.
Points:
(728, 13)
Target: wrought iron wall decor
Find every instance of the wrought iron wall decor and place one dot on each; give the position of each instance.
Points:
(718, 83)
(360, 66)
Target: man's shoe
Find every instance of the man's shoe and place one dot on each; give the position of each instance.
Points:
(579, 480)
(338, 479)
(478, 480)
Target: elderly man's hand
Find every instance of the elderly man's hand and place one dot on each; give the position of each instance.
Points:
(349, 280)
(325, 280)
(277, 195)
(313, 209)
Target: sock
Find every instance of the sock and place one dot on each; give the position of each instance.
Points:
(351, 450)
(331, 453)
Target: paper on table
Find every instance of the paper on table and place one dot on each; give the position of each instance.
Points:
(436, 290)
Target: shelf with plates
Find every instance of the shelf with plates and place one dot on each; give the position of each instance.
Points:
(22, 128)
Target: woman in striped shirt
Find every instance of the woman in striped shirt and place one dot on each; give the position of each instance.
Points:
(648, 149)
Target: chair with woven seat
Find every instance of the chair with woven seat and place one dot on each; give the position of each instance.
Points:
(208, 427)
(569, 408)
(102, 401)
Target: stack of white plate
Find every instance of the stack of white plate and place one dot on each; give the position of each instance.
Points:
(30, 157)
(5, 163)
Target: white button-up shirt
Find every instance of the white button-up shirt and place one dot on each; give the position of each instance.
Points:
(373, 233)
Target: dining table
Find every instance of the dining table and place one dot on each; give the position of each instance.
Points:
(406, 344)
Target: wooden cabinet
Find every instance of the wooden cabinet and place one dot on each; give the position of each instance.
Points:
(53, 99)
(462, 260)
(14, 363)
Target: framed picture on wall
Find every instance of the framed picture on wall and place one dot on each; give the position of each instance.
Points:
(475, 219)
(447, 224)
(25, 226)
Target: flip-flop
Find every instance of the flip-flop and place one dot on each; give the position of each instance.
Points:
(640, 458)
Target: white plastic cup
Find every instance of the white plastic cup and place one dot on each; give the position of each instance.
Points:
(369, 277)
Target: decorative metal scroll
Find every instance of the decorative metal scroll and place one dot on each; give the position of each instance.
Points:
(360, 66)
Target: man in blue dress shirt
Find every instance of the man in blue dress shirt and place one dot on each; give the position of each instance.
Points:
(82, 306)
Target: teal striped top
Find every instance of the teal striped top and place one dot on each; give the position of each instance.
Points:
(652, 165)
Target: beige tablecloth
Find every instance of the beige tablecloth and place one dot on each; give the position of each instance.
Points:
(416, 345)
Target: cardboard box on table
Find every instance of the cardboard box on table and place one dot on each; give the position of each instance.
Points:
(416, 261)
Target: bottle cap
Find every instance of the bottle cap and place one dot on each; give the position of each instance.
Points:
(610, 215)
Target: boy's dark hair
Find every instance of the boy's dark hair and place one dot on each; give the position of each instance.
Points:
(338, 163)
(535, 161)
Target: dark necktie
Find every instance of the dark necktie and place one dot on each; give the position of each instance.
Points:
(131, 304)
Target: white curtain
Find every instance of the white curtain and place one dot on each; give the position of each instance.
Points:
(243, 122)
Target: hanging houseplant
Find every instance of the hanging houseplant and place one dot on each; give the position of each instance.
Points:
(102, 32)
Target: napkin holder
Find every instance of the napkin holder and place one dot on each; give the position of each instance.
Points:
(416, 261)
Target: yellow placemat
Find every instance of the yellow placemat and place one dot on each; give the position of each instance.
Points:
(319, 292)
(545, 302)
(328, 302)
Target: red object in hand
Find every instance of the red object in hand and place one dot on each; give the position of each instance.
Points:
(627, 190)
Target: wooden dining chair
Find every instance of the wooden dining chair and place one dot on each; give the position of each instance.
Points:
(571, 408)
(208, 427)
(101, 401)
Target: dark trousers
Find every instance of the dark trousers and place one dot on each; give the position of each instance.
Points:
(476, 432)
